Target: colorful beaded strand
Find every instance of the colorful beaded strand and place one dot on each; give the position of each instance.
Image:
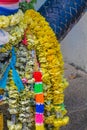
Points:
(39, 98)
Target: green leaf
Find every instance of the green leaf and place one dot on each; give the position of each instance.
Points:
(34, 1)
(25, 5)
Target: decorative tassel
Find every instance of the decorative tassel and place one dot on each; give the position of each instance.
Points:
(39, 98)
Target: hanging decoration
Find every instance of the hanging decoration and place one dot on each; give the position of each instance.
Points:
(32, 79)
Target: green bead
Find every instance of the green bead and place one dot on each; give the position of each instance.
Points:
(38, 88)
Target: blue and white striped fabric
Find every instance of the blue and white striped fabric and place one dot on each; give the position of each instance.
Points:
(8, 9)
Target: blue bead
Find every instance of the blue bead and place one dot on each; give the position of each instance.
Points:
(39, 108)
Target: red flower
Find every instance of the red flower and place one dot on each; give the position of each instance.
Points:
(37, 76)
(24, 41)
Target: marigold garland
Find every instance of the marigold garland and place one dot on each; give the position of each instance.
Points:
(38, 37)
(51, 63)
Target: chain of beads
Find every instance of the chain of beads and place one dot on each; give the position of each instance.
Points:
(39, 97)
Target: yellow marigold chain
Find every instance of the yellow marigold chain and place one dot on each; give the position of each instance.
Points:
(51, 62)
(48, 45)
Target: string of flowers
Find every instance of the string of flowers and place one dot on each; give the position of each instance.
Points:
(51, 63)
(15, 33)
(13, 104)
(24, 66)
(38, 85)
(6, 21)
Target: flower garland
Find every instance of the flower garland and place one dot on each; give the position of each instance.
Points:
(6, 21)
(24, 66)
(15, 32)
(13, 104)
(39, 117)
(40, 38)
(51, 63)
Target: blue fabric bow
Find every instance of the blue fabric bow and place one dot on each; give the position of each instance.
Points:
(15, 75)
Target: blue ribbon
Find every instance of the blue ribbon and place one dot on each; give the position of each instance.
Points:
(15, 75)
(1, 97)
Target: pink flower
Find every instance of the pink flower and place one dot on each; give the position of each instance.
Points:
(24, 80)
(20, 0)
(28, 1)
